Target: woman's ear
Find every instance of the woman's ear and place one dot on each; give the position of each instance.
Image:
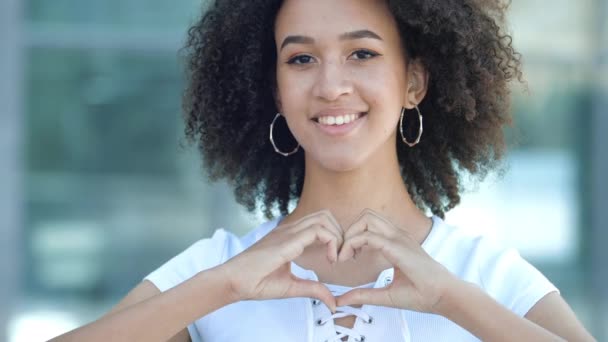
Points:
(417, 84)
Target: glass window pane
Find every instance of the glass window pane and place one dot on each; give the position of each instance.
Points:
(113, 13)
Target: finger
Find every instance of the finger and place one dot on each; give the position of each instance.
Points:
(332, 224)
(381, 225)
(312, 289)
(333, 220)
(324, 218)
(332, 249)
(358, 227)
(361, 214)
(315, 233)
(373, 240)
(379, 296)
(359, 224)
(370, 220)
(315, 217)
(352, 245)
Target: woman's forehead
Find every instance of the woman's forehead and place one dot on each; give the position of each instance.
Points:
(332, 18)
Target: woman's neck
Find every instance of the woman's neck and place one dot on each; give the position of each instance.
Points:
(377, 185)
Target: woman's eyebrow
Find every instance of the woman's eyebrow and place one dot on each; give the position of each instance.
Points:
(359, 34)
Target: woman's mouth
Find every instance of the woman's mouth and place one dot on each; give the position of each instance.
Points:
(338, 125)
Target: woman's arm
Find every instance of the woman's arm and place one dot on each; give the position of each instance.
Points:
(263, 271)
(422, 284)
(147, 289)
(549, 320)
(159, 317)
(554, 314)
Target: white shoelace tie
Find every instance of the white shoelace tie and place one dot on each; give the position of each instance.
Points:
(341, 332)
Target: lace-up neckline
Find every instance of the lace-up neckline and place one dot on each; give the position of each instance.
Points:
(345, 311)
(341, 332)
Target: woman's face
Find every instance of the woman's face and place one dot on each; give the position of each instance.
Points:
(340, 61)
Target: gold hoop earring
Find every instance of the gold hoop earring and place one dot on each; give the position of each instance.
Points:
(419, 129)
(276, 149)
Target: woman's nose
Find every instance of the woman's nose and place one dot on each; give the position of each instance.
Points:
(332, 82)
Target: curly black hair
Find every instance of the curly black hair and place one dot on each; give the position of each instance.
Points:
(229, 100)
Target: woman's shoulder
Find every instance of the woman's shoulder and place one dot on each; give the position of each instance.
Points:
(470, 253)
(484, 260)
(449, 242)
(224, 244)
(477, 256)
(256, 234)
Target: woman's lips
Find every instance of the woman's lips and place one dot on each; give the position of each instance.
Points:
(341, 130)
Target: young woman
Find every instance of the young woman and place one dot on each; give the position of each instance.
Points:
(367, 113)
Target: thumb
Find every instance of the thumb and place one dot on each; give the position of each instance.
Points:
(378, 297)
(312, 289)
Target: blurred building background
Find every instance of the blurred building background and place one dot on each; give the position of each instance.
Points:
(95, 191)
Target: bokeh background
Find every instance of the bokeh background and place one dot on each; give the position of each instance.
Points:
(95, 191)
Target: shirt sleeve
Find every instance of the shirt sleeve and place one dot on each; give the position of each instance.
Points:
(511, 280)
(203, 254)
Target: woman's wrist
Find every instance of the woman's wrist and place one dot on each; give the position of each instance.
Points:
(453, 297)
(218, 278)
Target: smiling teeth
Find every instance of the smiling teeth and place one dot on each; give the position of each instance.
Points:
(338, 120)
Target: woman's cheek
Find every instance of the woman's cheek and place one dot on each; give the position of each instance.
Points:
(297, 86)
(375, 86)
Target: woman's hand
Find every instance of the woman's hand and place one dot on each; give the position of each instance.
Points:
(419, 281)
(263, 271)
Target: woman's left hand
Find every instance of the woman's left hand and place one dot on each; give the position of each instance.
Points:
(419, 282)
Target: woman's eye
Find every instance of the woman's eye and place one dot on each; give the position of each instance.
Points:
(306, 59)
(364, 54)
(301, 59)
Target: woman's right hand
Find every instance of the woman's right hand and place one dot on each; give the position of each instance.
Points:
(263, 271)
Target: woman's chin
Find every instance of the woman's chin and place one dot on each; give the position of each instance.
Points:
(341, 163)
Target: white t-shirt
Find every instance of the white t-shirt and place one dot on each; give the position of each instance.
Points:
(501, 272)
